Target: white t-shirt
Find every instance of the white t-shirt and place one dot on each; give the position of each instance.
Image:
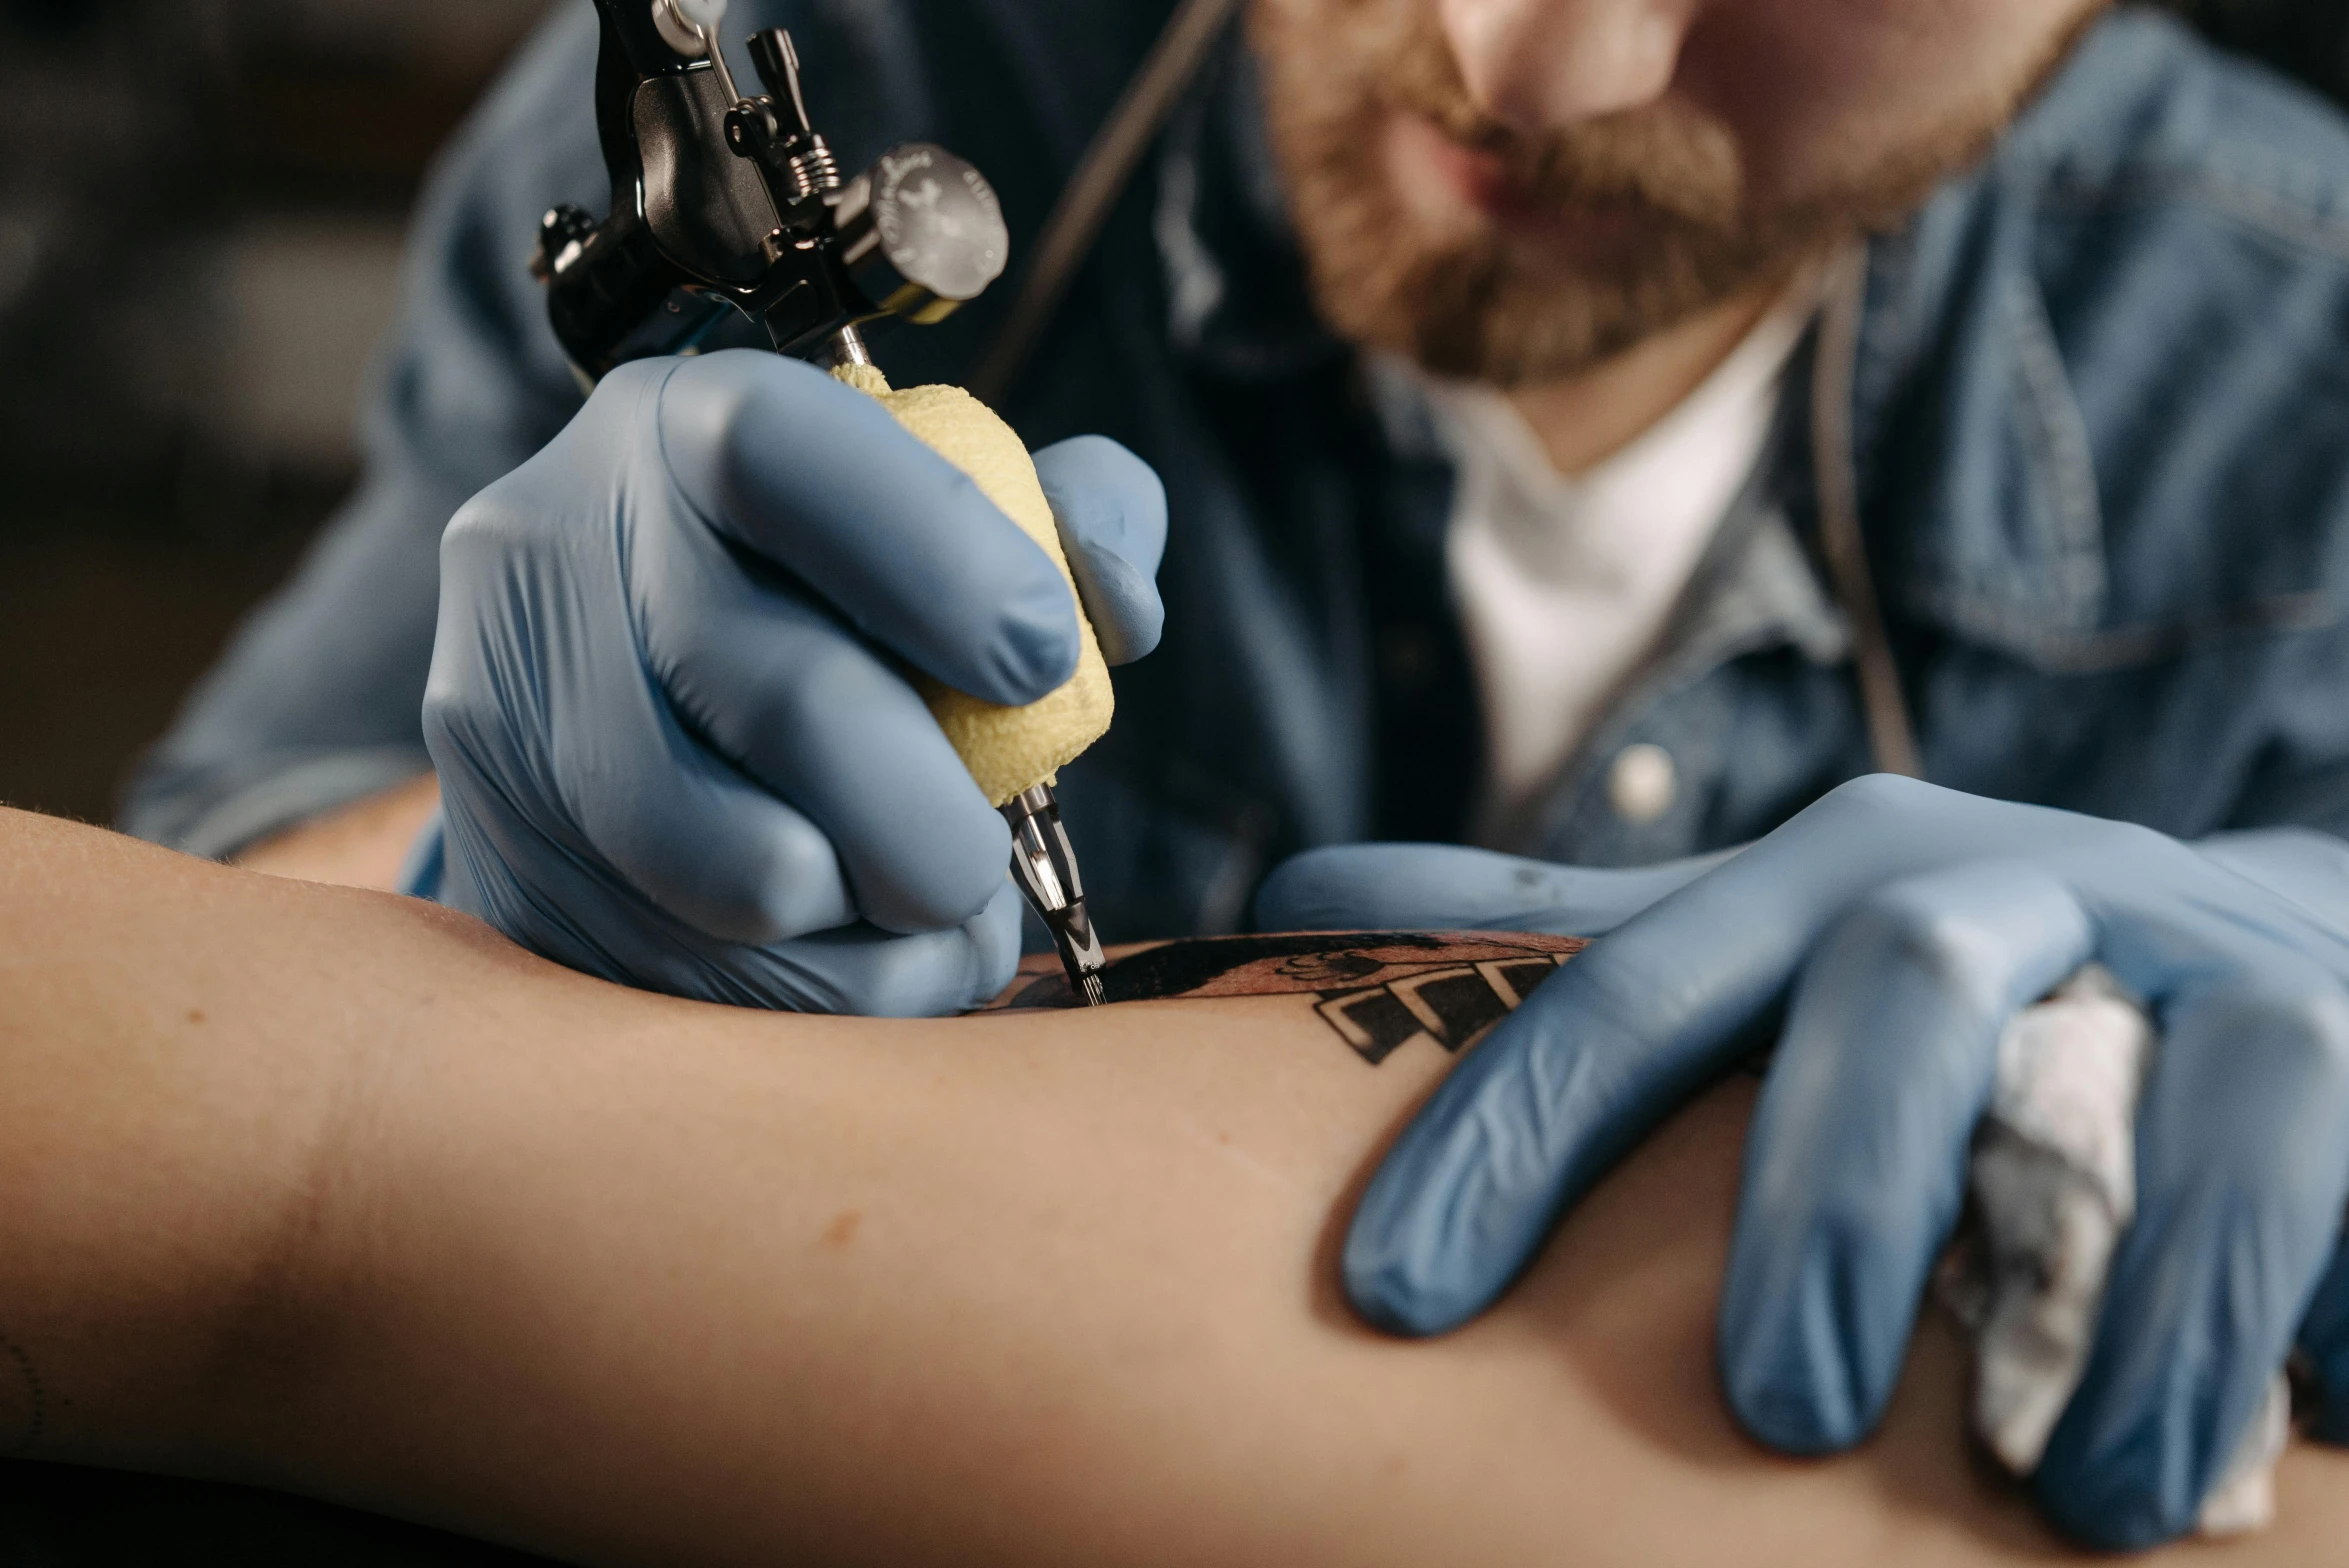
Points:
(1564, 585)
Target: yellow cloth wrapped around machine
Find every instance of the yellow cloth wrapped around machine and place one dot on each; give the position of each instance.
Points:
(1008, 750)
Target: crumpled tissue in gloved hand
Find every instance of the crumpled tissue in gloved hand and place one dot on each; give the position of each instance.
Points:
(2054, 1186)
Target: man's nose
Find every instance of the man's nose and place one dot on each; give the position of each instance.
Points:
(1541, 65)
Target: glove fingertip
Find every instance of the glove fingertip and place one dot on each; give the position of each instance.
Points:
(1436, 1238)
(1102, 495)
(1030, 651)
(1128, 616)
(1785, 1350)
(1789, 1419)
(1390, 1284)
(1110, 510)
(2120, 1513)
(995, 947)
(955, 880)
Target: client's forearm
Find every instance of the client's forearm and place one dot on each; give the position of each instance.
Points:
(342, 1192)
(166, 1144)
(714, 1287)
(424, 1224)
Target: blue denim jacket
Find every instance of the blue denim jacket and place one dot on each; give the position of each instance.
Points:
(2099, 422)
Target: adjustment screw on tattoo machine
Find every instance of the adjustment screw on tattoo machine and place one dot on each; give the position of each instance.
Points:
(724, 204)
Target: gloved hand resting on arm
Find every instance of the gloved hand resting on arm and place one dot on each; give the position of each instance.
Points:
(669, 707)
(1901, 926)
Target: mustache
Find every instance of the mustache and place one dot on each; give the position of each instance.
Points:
(1668, 158)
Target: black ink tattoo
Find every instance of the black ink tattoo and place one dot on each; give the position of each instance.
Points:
(36, 1399)
(1379, 990)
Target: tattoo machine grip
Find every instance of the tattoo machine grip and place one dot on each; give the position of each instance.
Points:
(1015, 754)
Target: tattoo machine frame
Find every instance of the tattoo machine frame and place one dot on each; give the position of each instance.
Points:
(723, 203)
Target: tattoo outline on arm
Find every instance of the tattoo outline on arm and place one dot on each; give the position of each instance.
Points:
(1378, 990)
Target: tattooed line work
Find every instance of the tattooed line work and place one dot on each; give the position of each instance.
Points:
(1379, 990)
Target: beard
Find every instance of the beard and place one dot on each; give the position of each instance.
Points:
(1467, 299)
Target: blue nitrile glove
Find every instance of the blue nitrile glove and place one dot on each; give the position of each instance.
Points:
(1442, 887)
(1903, 925)
(669, 706)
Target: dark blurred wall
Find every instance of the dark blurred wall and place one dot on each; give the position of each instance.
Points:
(2308, 38)
(201, 205)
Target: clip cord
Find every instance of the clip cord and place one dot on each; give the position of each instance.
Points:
(1892, 731)
(1101, 177)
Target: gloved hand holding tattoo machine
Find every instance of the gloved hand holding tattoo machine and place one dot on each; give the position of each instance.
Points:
(740, 690)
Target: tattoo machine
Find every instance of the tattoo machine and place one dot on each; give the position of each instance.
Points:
(726, 205)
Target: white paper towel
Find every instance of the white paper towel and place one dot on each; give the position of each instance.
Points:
(2054, 1186)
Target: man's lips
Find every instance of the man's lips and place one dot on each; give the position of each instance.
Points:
(1484, 183)
(1481, 179)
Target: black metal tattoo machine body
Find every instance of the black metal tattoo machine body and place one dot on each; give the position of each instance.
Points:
(726, 204)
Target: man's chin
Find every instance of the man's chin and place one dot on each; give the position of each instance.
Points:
(1479, 315)
(1567, 250)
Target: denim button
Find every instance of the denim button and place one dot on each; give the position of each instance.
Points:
(1641, 783)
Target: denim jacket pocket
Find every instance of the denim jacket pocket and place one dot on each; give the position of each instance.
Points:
(2158, 467)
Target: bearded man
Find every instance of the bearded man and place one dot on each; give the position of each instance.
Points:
(1626, 434)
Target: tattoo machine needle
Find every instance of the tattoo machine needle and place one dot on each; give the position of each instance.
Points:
(1046, 869)
(728, 206)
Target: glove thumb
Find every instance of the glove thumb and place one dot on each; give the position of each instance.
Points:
(425, 866)
(1112, 515)
(1440, 887)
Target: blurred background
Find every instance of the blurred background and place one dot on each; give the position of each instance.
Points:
(201, 208)
(201, 212)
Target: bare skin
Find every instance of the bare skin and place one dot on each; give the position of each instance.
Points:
(342, 1193)
(363, 844)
